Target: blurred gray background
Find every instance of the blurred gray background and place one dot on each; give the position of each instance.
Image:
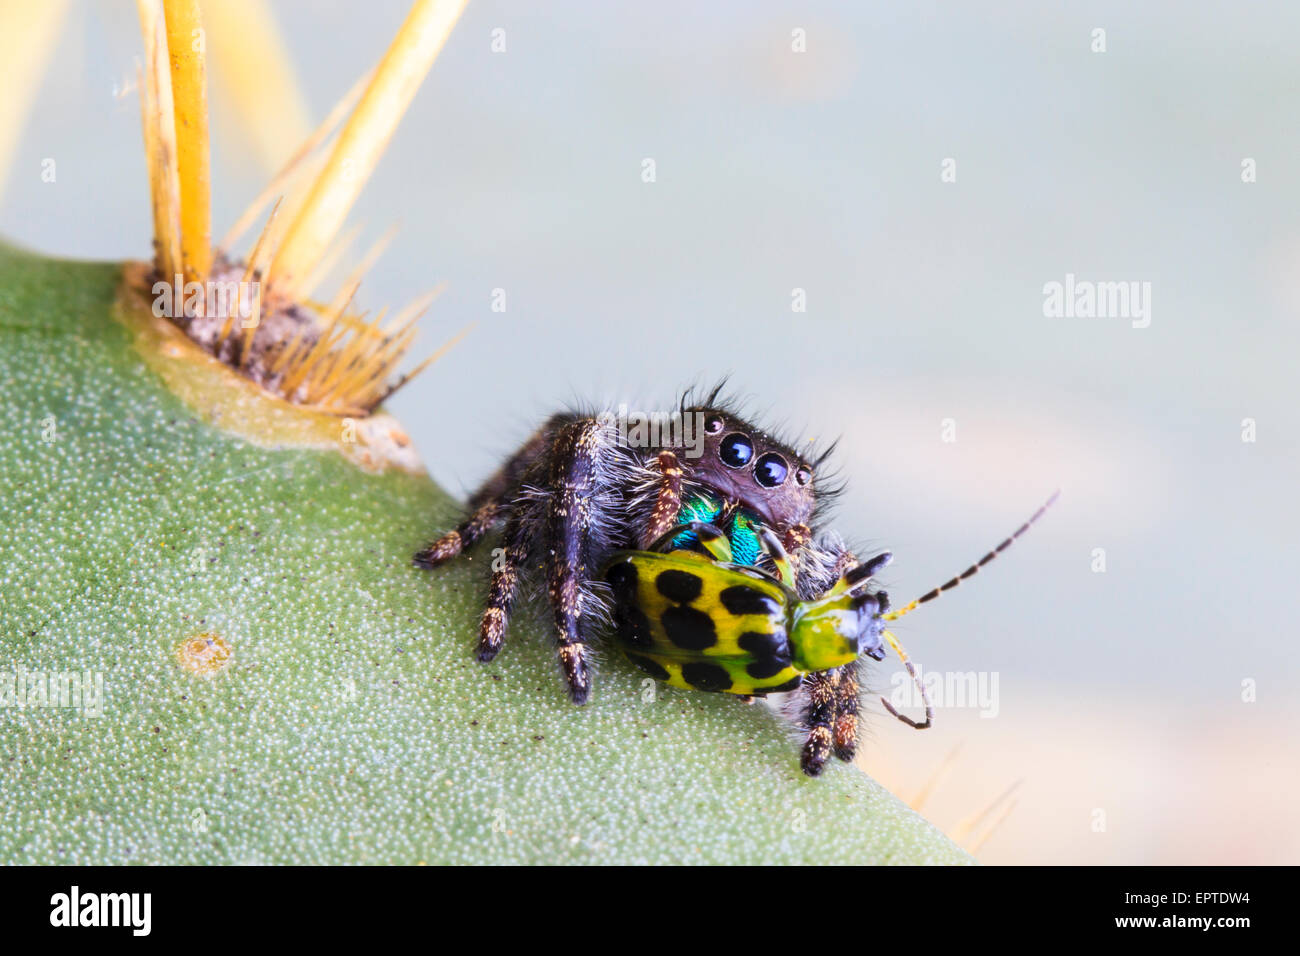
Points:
(1120, 692)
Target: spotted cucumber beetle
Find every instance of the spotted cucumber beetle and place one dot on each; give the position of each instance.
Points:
(700, 621)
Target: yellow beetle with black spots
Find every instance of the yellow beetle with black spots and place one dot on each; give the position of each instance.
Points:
(699, 622)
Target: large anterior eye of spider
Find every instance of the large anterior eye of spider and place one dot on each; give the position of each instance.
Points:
(770, 470)
(736, 450)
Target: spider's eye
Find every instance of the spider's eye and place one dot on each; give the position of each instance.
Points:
(803, 476)
(770, 471)
(712, 425)
(736, 450)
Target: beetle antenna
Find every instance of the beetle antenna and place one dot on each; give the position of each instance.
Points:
(931, 595)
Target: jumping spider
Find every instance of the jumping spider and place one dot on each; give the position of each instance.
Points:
(575, 493)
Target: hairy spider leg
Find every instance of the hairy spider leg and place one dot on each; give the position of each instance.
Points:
(502, 589)
(846, 728)
(668, 501)
(569, 517)
(817, 718)
(463, 536)
(486, 505)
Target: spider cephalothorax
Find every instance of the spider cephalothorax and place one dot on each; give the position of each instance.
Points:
(756, 471)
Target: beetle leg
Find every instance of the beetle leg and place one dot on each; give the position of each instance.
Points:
(925, 698)
(856, 577)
